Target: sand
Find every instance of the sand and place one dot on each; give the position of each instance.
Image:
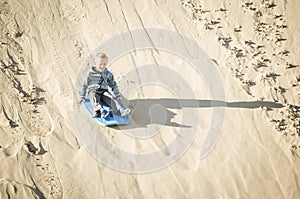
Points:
(236, 122)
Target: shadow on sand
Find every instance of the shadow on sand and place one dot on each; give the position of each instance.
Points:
(155, 111)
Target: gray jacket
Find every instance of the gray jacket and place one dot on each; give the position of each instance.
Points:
(97, 79)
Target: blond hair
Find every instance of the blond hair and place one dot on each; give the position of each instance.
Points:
(101, 56)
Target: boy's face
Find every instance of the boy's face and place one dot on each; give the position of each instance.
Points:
(101, 64)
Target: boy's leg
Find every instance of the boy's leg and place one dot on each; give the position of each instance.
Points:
(95, 99)
(112, 102)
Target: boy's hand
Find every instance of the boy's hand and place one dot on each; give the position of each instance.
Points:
(119, 97)
(82, 99)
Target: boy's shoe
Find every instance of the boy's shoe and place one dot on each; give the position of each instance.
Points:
(98, 107)
(125, 112)
(104, 113)
(96, 113)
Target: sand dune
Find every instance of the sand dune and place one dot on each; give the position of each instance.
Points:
(185, 139)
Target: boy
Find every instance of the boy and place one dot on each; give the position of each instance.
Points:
(97, 83)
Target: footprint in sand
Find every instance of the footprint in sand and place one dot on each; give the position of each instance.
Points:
(238, 29)
(225, 41)
(37, 121)
(12, 149)
(296, 82)
(35, 148)
(246, 85)
(295, 150)
(12, 189)
(45, 174)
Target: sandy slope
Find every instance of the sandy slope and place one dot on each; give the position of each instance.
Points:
(254, 46)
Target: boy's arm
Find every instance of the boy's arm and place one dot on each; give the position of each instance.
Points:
(82, 91)
(113, 85)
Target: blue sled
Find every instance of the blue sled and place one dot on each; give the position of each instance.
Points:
(110, 120)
